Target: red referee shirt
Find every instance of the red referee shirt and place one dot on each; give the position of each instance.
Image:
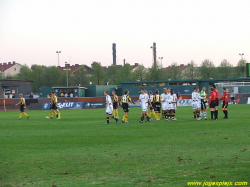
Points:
(216, 93)
(225, 97)
(212, 97)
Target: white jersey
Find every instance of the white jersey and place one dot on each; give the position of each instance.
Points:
(108, 99)
(175, 97)
(199, 98)
(144, 99)
(195, 103)
(170, 98)
(151, 97)
(109, 108)
(164, 98)
(194, 96)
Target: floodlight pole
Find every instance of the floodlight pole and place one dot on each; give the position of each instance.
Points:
(58, 52)
(67, 74)
(160, 59)
(241, 54)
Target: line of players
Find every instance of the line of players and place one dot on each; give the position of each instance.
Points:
(167, 101)
(199, 100)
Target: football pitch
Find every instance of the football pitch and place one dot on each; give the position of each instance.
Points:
(79, 150)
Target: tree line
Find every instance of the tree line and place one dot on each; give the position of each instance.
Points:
(44, 76)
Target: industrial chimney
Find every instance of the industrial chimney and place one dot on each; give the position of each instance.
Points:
(114, 53)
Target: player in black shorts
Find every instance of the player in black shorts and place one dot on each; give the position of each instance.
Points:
(22, 107)
(157, 104)
(125, 99)
(152, 106)
(212, 103)
(115, 104)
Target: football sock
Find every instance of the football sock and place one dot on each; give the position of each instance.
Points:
(142, 118)
(51, 114)
(174, 113)
(54, 112)
(25, 114)
(117, 113)
(205, 114)
(148, 118)
(107, 119)
(216, 114)
(159, 116)
(200, 113)
(226, 113)
(124, 117)
(113, 113)
(20, 115)
(59, 115)
(194, 114)
(197, 114)
(150, 114)
(212, 114)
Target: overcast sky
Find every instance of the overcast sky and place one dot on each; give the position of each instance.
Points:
(31, 31)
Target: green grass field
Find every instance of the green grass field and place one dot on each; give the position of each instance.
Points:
(79, 150)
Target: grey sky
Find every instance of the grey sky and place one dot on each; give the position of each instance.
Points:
(31, 31)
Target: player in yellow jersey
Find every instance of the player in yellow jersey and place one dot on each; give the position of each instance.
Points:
(157, 104)
(53, 103)
(125, 99)
(115, 104)
(22, 107)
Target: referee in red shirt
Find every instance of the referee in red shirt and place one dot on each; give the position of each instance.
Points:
(212, 103)
(225, 99)
(216, 102)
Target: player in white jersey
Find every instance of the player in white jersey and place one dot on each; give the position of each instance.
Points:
(198, 116)
(173, 99)
(164, 103)
(162, 111)
(109, 108)
(152, 111)
(169, 104)
(195, 102)
(144, 99)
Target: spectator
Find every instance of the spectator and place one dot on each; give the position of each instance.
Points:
(31, 95)
(71, 94)
(232, 97)
(66, 95)
(62, 94)
(179, 96)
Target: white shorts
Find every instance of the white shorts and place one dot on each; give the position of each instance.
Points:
(195, 105)
(170, 106)
(175, 106)
(109, 109)
(199, 105)
(164, 106)
(144, 108)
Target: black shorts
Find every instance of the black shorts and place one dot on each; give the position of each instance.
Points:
(217, 102)
(153, 106)
(22, 107)
(213, 104)
(157, 107)
(125, 107)
(224, 104)
(203, 105)
(115, 105)
(54, 107)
